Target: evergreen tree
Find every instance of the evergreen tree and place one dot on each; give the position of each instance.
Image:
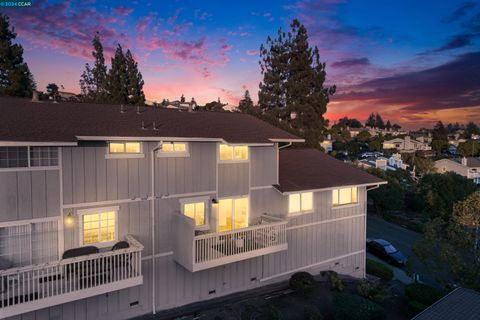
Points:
(93, 81)
(379, 121)
(246, 103)
(388, 125)
(371, 121)
(118, 78)
(15, 76)
(471, 128)
(135, 81)
(293, 82)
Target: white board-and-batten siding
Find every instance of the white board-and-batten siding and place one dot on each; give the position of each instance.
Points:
(316, 240)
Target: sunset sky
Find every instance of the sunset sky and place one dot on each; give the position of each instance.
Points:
(415, 62)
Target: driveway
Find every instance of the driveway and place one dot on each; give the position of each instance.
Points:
(404, 240)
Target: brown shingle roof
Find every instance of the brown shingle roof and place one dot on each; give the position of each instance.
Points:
(473, 162)
(310, 169)
(23, 120)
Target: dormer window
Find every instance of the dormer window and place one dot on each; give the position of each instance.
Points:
(233, 153)
(174, 149)
(124, 149)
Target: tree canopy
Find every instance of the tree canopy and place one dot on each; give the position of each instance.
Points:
(122, 84)
(246, 103)
(293, 82)
(15, 76)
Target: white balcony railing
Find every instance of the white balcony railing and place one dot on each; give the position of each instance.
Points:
(34, 287)
(199, 252)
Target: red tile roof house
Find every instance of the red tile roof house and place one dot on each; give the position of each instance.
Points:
(110, 212)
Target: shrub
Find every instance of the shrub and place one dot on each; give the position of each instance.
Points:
(352, 307)
(302, 282)
(379, 269)
(374, 292)
(423, 293)
(414, 308)
(272, 314)
(312, 313)
(336, 283)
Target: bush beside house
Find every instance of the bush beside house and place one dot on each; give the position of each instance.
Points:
(379, 270)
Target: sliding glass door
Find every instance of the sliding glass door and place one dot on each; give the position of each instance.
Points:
(232, 213)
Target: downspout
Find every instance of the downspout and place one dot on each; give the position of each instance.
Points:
(285, 146)
(152, 214)
(366, 204)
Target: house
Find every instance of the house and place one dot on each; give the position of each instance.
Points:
(461, 303)
(327, 144)
(393, 163)
(467, 167)
(406, 144)
(110, 212)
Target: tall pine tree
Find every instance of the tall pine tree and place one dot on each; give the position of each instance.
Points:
(15, 76)
(246, 103)
(118, 78)
(293, 82)
(135, 81)
(93, 81)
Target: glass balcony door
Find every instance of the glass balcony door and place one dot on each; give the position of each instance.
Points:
(232, 214)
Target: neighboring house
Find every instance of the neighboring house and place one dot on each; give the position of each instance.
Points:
(393, 163)
(327, 144)
(406, 144)
(230, 108)
(460, 304)
(110, 212)
(67, 96)
(467, 167)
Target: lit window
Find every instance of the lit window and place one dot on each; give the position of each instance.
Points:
(232, 214)
(344, 196)
(124, 147)
(173, 149)
(300, 202)
(233, 153)
(99, 227)
(196, 211)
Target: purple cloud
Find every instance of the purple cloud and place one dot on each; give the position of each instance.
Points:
(455, 84)
(348, 63)
(460, 12)
(123, 11)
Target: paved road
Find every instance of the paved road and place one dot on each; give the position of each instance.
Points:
(401, 238)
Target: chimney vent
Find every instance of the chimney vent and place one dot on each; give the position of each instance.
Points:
(35, 96)
(464, 161)
(143, 125)
(155, 126)
(138, 109)
(122, 110)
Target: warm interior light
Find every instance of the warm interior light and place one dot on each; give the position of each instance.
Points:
(69, 220)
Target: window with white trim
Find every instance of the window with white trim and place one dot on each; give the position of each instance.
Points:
(29, 243)
(300, 202)
(124, 147)
(233, 153)
(98, 226)
(26, 157)
(344, 196)
(173, 149)
(196, 210)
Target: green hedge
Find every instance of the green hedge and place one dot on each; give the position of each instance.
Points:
(415, 307)
(352, 307)
(379, 269)
(423, 293)
(302, 282)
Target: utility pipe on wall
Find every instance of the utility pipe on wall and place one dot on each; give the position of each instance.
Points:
(152, 213)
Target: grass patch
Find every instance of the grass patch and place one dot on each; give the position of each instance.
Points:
(423, 293)
(352, 307)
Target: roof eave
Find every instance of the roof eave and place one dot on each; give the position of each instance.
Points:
(285, 193)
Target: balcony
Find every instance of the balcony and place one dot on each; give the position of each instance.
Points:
(39, 286)
(200, 252)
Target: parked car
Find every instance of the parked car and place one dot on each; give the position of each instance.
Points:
(386, 251)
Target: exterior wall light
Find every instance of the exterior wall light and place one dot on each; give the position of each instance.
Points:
(69, 220)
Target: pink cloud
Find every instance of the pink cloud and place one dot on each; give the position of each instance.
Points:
(226, 47)
(123, 11)
(252, 52)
